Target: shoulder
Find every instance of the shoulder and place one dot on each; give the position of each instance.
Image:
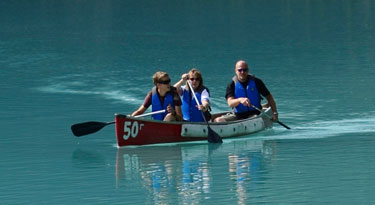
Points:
(201, 89)
(175, 96)
(231, 84)
(153, 90)
(205, 92)
(173, 90)
(205, 89)
(230, 90)
(174, 93)
(259, 82)
(149, 96)
(256, 79)
(261, 86)
(148, 100)
(183, 89)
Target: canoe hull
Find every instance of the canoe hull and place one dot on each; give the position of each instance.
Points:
(136, 131)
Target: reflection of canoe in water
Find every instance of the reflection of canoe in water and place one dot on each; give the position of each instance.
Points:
(186, 165)
(131, 162)
(136, 131)
(156, 169)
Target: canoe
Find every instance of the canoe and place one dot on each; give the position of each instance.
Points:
(139, 131)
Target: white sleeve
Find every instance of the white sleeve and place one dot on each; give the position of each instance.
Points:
(182, 89)
(205, 95)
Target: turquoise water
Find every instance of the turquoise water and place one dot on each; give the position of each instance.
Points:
(64, 62)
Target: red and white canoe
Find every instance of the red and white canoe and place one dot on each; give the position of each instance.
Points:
(138, 131)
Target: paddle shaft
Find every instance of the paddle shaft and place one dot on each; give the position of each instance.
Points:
(142, 115)
(150, 113)
(212, 135)
(196, 99)
(282, 124)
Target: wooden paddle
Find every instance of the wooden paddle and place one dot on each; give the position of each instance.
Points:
(86, 128)
(282, 124)
(212, 137)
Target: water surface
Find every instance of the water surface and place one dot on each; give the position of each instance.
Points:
(64, 62)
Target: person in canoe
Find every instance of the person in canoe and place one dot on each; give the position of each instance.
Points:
(245, 91)
(162, 96)
(190, 110)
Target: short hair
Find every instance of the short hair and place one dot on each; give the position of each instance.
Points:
(159, 75)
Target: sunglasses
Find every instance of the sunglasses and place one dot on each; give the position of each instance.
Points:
(165, 82)
(242, 70)
(194, 79)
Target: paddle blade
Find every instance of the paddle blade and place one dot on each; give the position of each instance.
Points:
(86, 128)
(284, 125)
(213, 137)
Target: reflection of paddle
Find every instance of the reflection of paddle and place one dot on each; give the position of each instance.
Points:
(282, 124)
(86, 128)
(212, 137)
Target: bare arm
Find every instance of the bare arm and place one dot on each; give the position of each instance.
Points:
(234, 102)
(204, 106)
(205, 99)
(139, 111)
(272, 103)
(178, 113)
(205, 103)
(179, 83)
(173, 113)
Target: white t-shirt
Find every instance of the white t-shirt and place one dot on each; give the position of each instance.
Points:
(204, 94)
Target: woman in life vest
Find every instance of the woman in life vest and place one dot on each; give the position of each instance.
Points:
(162, 96)
(190, 110)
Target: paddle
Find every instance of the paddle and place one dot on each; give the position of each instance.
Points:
(212, 137)
(86, 128)
(282, 124)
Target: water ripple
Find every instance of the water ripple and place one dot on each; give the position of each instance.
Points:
(84, 85)
(323, 129)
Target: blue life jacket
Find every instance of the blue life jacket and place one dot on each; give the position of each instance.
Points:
(189, 110)
(250, 92)
(156, 104)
